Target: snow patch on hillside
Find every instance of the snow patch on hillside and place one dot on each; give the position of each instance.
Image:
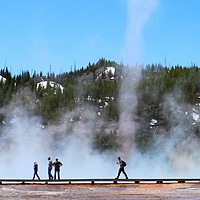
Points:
(110, 69)
(43, 84)
(195, 116)
(107, 71)
(2, 79)
(153, 122)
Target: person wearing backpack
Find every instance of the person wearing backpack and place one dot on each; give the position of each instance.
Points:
(121, 164)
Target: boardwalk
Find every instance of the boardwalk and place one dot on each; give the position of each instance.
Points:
(97, 181)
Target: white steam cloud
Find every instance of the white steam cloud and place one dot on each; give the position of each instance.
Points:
(139, 13)
(24, 140)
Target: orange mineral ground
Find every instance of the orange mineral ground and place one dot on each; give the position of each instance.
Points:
(115, 191)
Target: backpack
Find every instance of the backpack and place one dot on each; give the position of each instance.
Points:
(123, 163)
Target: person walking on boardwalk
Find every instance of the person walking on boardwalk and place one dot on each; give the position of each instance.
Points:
(121, 164)
(35, 168)
(57, 164)
(50, 168)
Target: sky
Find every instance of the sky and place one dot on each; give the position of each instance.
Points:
(37, 34)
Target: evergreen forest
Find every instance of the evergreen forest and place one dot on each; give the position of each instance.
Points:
(96, 87)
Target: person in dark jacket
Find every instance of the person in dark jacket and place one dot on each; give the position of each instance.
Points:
(35, 169)
(57, 164)
(121, 168)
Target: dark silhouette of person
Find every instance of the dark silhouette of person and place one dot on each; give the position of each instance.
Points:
(35, 168)
(57, 164)
(121, 168)
(50, 164)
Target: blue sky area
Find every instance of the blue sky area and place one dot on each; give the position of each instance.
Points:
(35, 33)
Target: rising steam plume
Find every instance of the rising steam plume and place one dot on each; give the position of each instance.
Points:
(139, 13)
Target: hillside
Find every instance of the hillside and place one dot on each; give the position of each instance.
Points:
(162, 96)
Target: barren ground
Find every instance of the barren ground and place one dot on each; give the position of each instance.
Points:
(111, 191)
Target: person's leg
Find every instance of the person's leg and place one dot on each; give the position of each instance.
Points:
(51, 177)
(119, 172)
(58, 174)
(37, 175)
(34, 175)
(124, 173)
(55, 175)
(49, 173)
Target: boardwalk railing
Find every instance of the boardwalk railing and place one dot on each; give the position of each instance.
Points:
(97, 181)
